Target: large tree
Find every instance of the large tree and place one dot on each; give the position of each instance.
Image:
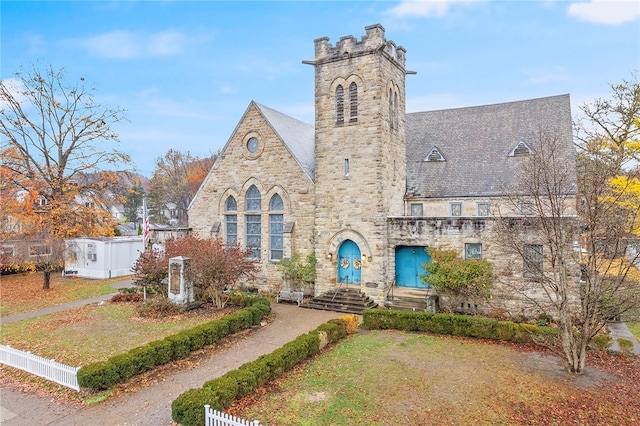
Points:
(55, 139)
(176, 180)
(579, 253)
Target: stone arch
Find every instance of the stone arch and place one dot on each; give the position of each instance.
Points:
(348, 234)
(243, 192)
(277, 189)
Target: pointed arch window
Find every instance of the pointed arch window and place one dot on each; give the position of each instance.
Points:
(395, 110)
(390, 108)
(276, 228)
(231, 221)
(353, 102)
(253, 203)
(339, 104)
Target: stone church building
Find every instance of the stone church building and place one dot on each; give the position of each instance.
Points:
(368, 187)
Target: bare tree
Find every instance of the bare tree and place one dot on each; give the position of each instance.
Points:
(55, 139)
(575, 267)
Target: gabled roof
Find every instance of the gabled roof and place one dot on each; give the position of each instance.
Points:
(297, 136)
(476, 143)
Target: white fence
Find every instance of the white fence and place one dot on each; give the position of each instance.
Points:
(45, 368)
(218, 418)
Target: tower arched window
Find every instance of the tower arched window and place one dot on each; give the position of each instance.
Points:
(353, 102)
(253, 205)
(390, 108)
(276, 227)
(231, 221)
(395, 110)
(339, 104)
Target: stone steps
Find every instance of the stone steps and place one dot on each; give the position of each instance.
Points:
(345, 300)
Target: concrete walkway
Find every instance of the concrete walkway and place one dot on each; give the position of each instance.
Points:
(152, 405)
(619, 330)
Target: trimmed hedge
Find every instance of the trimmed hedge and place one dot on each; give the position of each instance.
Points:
(220, 393)
(121, 367)
(456, 325)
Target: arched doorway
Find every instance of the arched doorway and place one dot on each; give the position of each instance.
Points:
(409, 261)
(349, 263)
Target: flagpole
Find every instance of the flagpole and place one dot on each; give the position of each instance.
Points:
(146, 231)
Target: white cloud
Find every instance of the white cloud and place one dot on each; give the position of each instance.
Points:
(611, 12)
(127, 45)
(423, 8)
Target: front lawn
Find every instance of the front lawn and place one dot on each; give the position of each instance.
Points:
(389, 378)
(23, 292)
(95, 332)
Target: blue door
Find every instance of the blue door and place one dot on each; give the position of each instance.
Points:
(409, 261)
(349, 263)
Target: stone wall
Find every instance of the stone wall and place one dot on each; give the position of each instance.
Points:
(273, 170)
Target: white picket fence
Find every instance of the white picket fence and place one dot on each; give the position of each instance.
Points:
(42, 367)
(218, 418)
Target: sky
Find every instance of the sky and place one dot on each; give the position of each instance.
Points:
(185, 72)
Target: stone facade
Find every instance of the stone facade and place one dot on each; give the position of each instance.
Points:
(369, 179)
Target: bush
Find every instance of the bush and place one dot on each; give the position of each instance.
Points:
(626, 347)
(98, 376)
(457, 325)
(601, 342)
(158, 307)
(126, 297)
(188, 408)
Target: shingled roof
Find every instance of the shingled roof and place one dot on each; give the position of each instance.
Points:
(475, 144)
(298, 137)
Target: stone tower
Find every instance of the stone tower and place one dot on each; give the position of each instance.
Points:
(360, 153)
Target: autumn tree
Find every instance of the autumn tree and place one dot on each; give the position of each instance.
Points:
(215, 268)
(176, 180)
(55, 139)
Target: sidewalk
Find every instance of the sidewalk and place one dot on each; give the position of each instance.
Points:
(619, 330)
(152, 405)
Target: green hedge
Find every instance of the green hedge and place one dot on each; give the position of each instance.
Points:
(456, 325)
(121, 367)
(220, 393)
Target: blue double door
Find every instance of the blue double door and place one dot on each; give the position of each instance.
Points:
(349, 263)
(409, 261)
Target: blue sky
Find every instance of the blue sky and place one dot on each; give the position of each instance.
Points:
(185, 72)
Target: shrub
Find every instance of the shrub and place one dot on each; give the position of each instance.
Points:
(225, 390)
(626, 348)
(98, 376)
(352, 322)
(126, 297)
(601, 342)
(158, 307)
(188, 408)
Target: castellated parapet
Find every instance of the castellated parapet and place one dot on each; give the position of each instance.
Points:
(349, 47)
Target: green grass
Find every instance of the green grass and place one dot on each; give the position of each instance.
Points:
(91, 333)
(22, 293)
(635, 328)
(388, 377)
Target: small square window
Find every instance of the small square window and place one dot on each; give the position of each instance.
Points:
(456, 209)
(526, 208)
(416, 210)
(484, 209)
(473, 251)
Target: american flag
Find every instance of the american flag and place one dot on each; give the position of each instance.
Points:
(145, 222)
